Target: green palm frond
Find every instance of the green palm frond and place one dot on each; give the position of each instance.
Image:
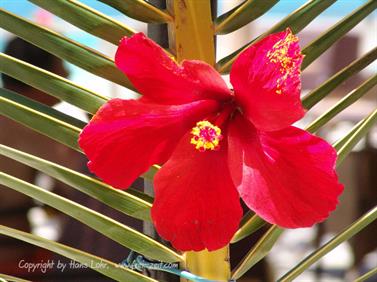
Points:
(241, 15)
(87, 19)
(75, 53)
(131, 202)
(348, 233)
(300, 19)
(111, 270)
(326, 40)
(140, 10)
(258, 252)
(65, 129)
(10, 99)
(8, 278)
(116, 231)
(52, 84)
(345, 145)
(348, 100)
(249, 224)
(367, 275)
(296, 21)
(329, 85)
(28, 113)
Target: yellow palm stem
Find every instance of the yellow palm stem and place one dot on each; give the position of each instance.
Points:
(191, 36)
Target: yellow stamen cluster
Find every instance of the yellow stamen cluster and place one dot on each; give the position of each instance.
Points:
(206, 136)
(279, 55)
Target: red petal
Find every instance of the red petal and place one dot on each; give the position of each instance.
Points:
(196, 204)
(126, 137)
(161, 80)
(287, 177)
(269, 93)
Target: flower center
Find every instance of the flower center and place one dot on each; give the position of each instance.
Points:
(206, 136)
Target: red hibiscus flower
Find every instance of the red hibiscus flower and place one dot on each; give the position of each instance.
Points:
(215, 144)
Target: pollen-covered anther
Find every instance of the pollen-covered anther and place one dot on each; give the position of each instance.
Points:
(281, 55)
(206, 136)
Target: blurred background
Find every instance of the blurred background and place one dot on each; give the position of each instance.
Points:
(358, 172)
